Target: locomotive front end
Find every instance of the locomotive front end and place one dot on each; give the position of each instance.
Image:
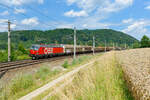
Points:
(34, 51)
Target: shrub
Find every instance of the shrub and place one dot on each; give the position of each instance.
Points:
(3, 56)
(74, 62)
(65, 65)
(22, 49)
(22, 57)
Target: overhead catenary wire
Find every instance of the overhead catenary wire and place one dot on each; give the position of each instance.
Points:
(26, 16)
(41, 13)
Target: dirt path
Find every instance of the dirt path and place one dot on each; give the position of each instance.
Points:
(51, 84)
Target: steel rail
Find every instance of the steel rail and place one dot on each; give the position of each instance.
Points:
(24, 63)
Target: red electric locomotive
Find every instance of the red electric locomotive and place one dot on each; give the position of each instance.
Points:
(45, 51)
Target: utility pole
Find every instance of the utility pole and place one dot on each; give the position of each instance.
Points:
(117, 46)
(74, 43)
(113, 46)
(9, 42)
(125, 45)
(105, 45)
(132, 45)
(93, 45)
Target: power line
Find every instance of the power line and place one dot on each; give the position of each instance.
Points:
(11, 8)
(38, 12)
(41, 13)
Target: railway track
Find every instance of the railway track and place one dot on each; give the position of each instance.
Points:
(24, 63)
(18, 64)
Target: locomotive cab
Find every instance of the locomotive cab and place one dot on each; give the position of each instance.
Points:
(34, 51)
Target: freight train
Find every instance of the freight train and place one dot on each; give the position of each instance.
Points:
(47, 51)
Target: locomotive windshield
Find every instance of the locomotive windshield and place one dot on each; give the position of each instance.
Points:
(34, 47)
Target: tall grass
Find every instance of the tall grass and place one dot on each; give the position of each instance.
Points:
(21, 83)
(25, 83)
(101, 81)
(77, 61)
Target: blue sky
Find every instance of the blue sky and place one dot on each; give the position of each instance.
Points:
(129, 16)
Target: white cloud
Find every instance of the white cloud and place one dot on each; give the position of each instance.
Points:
(124, 2)
(31, 21)
(3, 28)
(13, 26)
(72, 13)
(19, 2)
(41, 1)
(115, 6)
(71, 1)
(106, 5)
(97, 10)
(4, 25)
(138, 28)
(88, 5)
(17, 11)
(5, 13)
(3, 20)
(127, 21)
(82, 24)
(148, 7)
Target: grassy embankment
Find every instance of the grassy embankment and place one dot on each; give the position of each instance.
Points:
(101, 81)
(25, 83)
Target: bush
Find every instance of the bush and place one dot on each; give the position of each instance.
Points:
(65, 65)
(3, 56)
(22, 57)
(136, 45)
(22, 49)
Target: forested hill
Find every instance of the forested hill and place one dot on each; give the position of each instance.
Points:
(65, 36)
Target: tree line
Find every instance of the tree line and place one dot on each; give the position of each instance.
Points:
(65, 36)
(144, 43)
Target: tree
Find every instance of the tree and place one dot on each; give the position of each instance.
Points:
(3, 56)
(145, 42)
(13, 53)
(136, 45)
(22, 49)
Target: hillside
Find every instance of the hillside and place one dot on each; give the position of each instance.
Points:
(65, 36)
